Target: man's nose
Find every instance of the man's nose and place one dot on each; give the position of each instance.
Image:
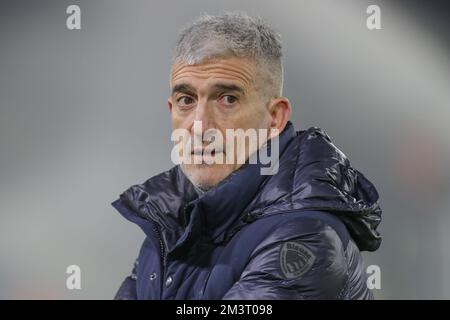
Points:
(204, 113)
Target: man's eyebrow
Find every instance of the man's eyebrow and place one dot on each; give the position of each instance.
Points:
(229, 87)
(183, 87)
(187, 88)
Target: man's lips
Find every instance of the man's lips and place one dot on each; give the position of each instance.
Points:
(200, 152)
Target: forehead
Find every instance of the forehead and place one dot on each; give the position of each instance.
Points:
(234, 69)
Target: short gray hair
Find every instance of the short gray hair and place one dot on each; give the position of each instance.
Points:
(233, 34)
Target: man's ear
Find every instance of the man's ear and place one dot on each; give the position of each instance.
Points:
(280, 111)
(169, 104)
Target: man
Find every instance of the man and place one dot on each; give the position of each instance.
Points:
(223, 230)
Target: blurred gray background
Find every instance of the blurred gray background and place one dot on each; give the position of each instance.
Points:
(83, 116)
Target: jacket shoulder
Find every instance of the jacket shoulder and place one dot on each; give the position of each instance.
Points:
(305, 225)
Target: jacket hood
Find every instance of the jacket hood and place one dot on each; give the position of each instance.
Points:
(313, 175)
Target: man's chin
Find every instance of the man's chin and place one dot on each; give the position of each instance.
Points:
(206, 176)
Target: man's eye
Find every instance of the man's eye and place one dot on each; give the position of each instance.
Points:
(185, 101)
(228, 100)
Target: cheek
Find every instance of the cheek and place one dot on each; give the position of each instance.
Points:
(175, 121)
(254, 116)
(180, 121)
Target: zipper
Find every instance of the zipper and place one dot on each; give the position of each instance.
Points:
(162, 254)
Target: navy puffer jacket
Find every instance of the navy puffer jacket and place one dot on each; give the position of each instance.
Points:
(293, 235)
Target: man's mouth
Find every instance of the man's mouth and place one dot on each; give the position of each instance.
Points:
(201, 152)
(204, 156)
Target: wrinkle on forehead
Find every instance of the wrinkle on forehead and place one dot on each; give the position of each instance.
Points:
(232, 68)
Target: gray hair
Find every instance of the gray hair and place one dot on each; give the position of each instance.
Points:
(233, 34)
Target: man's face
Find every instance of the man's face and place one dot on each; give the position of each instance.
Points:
(222, 94)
